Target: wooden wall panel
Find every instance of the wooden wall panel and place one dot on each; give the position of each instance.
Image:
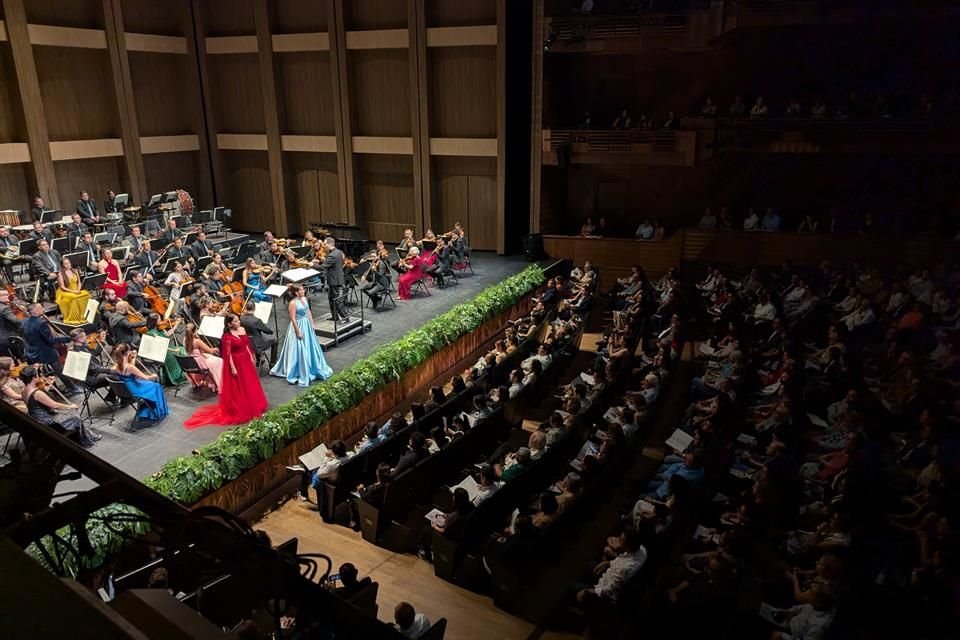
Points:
(184, 170)
(149, 16)
(228, 17)
(95, 175)
(165, 112)
(380, 92)
(385, 193)
(459, 13)
(12, 126)
(375, 14)
(450, 201)
(312, 189)
(463, 92)
(65, 13)
(299, 16)
(237, 101)
(14, 193)
(79, 102)
(303, 93)
(247, 190)
(482, 202)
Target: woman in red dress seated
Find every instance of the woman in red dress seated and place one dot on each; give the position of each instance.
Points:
(413, 263)
(114, 281)
(241, 396)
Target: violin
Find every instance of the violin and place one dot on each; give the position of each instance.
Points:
(169, 323)
(136, 316)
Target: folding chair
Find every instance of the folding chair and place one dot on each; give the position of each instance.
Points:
(465, 265)
(384, 296)
(446, 275)
(199, 377)
(123, 398)
(420, 285)
(151, 228)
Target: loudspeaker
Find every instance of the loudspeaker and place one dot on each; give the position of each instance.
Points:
(533, 247)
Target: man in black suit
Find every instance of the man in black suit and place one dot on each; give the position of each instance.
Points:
(9, 323)
(110, 204)
(335, 282)
(443, 263)
(6, 244)
(91, 248)
(171, 233)
(39, 340)
(376, 281)
(75, 229)
(176, 251)
(87, 208)
(121, 328)
(46, 265)
(135, 292)
(36, 211)
(135, 240)
(147, 259)
(258, 331)
(39, 233)
(201, 247)
(96, 373)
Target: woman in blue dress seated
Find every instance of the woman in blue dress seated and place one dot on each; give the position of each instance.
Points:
(301, 359)
(255, 280)
(143, 386)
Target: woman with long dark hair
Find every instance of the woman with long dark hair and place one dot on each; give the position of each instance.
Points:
(241, 396)
(301, 359)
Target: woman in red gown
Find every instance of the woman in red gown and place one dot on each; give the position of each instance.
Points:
(114, 280)
(413, 273)
(241, 396)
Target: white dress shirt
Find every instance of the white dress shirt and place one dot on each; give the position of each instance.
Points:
(620, 570)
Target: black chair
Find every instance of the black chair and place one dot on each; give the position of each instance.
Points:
(199, 377)
(436, 631)
(420, 285)
(446, 275)
(123, 398)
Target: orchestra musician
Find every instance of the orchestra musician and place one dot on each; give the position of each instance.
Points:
(309, 240)
(201, 247)
(376, 279)
(9, 323)
(40, 341)
(114, 280)
(11, 389)
(170, 373)
(45, 410)
(91, 248)
(71, 297)
(171, 233)
(407, 241)
(135, 241)
(7, 244)
(46, 264)
(96, 374)
(333, 266)
(147, 258)
(76, 228)
(87, 209)
(443, 259)
(135, 292)
(411, 266)
(177, 282)
(267, 239)
(36, 211)
(110, 202)
(258, 331)
(254, 281)
(122, 328)
(39, 233)
(176, 250)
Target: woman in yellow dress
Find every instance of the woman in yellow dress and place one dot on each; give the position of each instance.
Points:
(71, 298)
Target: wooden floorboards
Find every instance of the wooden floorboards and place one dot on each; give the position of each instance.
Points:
(470, 616)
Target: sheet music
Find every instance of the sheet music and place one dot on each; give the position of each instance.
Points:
(76, 365)
(679, 440)
(212, 326)
(313, 459)
(746, 439)
(296, 275)
(263, 310)
(588, 379)
(817, 421)
(275, 290)
(469, 485)
(437, 517)
(153, 348)
(91, 311)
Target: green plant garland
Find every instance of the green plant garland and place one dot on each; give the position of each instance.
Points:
(186, 479)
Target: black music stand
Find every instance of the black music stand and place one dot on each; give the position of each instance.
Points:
(301, 252)
(119, 252)
(94, 282)
(28, 247)
(78, 260)
(51, 215)
(61, 245)
(202, 263)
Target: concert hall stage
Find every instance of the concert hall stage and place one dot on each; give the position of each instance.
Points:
(143, 451)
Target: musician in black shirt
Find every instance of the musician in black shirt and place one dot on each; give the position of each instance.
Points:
(39, 233)
(135, 292)
(201, 247)
(87, 208)
(110, 204)
(171, 233)
(147, 258)
(38, 208)
(6, 245)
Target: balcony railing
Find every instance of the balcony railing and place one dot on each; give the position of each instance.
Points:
(659, 140)
(578, 28)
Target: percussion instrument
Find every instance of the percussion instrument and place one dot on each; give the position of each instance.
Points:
(9, 217)
(185, 201)
(132, 209)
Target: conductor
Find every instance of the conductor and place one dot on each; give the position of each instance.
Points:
(334, 268)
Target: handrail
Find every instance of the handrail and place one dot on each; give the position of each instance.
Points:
(612, 139)
(604, 27)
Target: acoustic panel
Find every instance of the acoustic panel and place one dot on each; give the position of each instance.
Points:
(169, 171)
(93, 175)
(228, 17)
(12, 126)
(297, 16)
(237, 101)
(65, 13)
(161, 18)
(13, 187)
(173, 110)
(303, 93)
(247, 190)
(380, 92)
(375, 14)
(312, 188)
(78, 93)
(463, 92)
(444, 13)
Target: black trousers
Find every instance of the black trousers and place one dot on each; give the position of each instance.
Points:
(336, 307)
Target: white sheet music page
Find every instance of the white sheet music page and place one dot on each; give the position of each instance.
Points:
(91, 311)
(153, 348)
(263, 310)
(212, 326)
(76, 365)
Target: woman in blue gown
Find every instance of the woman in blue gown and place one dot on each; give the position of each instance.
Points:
(301, 359)
(143, 386)
(255, 280)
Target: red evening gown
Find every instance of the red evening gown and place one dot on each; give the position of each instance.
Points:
(241, 396)
(413, 274)
(113, 273)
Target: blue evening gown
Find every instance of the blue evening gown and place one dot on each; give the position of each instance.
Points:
(155, 405)
(301, 360)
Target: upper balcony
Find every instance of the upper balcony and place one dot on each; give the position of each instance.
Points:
(631, 147)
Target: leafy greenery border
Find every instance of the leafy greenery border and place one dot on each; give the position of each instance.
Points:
(186, 479)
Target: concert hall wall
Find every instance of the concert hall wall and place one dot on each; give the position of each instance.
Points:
(287, 111)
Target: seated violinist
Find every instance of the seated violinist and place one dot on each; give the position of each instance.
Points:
(411, 268)
(96, 373)
(124, 324)
(135, 292)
